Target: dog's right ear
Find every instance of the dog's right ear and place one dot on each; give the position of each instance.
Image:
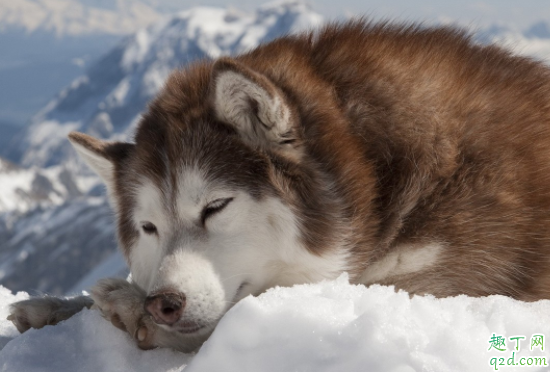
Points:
(255, 106)
(101, 156)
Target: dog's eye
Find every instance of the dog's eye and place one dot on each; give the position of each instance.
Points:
(149, 228)
(214, 207)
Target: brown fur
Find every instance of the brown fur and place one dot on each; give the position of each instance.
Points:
(406, 136)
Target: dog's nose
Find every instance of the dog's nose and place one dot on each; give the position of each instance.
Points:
(165, 307)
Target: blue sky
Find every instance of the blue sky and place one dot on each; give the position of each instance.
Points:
(518, 12)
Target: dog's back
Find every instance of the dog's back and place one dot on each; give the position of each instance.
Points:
(441, 147)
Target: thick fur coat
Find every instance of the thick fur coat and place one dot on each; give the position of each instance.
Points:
(403, 155)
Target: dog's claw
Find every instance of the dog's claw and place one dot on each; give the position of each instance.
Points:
(117, 322)
(142, 334)
(121, 303)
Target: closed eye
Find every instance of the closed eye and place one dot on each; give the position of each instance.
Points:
(213, 208)
(149, 228)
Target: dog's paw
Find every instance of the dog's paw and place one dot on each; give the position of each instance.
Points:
(41, 311)
(121, 303)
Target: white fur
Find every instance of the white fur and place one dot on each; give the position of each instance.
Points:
(232, 104)
(193, 274)
(192, 195)
(293, 263)
(402, 260)
(102, 166)
(246, 248)
(145, 256)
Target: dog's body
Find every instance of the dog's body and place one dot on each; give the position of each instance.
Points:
(402, 155)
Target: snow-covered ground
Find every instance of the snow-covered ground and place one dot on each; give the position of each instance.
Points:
(330, 326)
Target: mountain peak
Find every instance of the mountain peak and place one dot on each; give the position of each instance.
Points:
(108, 100)
(539, 30)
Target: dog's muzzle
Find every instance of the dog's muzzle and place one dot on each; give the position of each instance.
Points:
(165, 307)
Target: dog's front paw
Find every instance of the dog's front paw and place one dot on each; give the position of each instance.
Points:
(41, 311)
(121, 303)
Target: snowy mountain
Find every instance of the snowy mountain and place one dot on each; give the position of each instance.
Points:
(7, 132)
(67, 235)
(49, 250)
(46, 44)
(48, 228)
(534, 41)
(23, 189)
(34, 67)
(108, 99)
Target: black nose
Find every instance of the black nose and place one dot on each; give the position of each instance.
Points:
(165, 307)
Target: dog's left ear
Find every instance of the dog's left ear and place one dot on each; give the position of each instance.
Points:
(101, 156)
(252, 104)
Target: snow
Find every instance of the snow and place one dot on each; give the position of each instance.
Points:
(50, 249)
(114, 265)
(525, 43)
(11, 183)
(24, 189)
(84, 343)
(7, 329)
(328, 326)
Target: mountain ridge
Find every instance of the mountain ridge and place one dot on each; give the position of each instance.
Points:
(108, 100)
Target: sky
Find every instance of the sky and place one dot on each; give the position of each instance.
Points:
(17, 106)
(520, 13)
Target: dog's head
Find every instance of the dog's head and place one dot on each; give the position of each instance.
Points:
(213, 200)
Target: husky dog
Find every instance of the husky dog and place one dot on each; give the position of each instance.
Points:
(403, 155)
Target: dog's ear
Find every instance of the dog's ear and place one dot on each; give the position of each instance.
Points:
(101, 156)
(252, 104)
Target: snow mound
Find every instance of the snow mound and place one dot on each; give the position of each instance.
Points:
(7, 329)
(84, 343)
(329, 326)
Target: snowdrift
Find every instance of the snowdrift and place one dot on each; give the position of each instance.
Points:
(330, 326)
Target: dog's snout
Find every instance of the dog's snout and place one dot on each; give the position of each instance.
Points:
(165, 307)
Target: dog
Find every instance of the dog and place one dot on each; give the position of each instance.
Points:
(401, 154)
